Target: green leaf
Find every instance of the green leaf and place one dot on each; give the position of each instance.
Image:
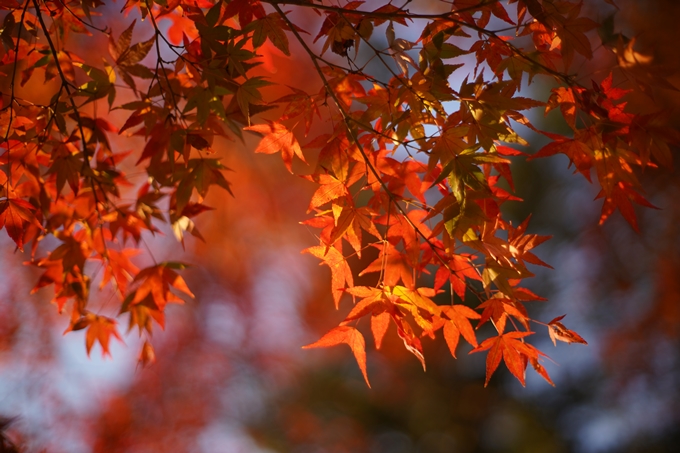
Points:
(270, 27)
(136, 53)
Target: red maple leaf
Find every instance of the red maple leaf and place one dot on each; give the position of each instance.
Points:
(16, 215)
(245, 9)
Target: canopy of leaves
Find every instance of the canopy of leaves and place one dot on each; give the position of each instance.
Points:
(409, 150)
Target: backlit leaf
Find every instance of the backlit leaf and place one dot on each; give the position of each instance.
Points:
(349, 336)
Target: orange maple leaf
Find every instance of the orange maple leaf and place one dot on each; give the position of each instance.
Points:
(156, 281)
(457, 324)
(459, 267)
(278, 138)
(376, 303)
(393, 265)
(341, 274)
(351, 337)
(499, 309)
(99, 328)
(120, 268)
(379, 325)
(511, 349)
(181, 26)
(330, 189)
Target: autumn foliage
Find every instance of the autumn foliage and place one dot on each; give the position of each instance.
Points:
(407, 133)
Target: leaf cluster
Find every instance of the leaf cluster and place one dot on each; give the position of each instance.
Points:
(411, 161)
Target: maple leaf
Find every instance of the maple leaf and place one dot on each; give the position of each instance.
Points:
(379, 325)
(538, 367)
(16, 215)
(404, 229)
(376, 303)
(620, 197)
(334, 157)
(557, 331)
(156, 281)
(416, 300)
(180, 27)
(577, 149)
(458, 324)
(330, 189)
(399, 46)
(147, 356)
(248, 94)
(499, 96)
(270, 27)
(520, 243)
(99, 328)
(373, 301)
(461, 267)
(341, 274)
(571, 31)
(245, 9)
(348, 226)
(640, 67)
(349, 336)
(203, 173)
(67, 284)
(564, 98)
(339, 29)
(278, 138)
(511, 350)
(67, 168)
(384, 141)
(393, 264)
(299, 104)
(650, 136)
(135, 53)
(142, 314)
(65, 61)
(120, 268)
(101, 83)
(347, 87)
(498, 309)
(122, 44)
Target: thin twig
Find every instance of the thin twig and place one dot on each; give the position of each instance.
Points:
(355, 138)
(12, 99)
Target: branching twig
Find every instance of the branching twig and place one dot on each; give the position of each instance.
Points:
(12, 98)
(355, 139)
